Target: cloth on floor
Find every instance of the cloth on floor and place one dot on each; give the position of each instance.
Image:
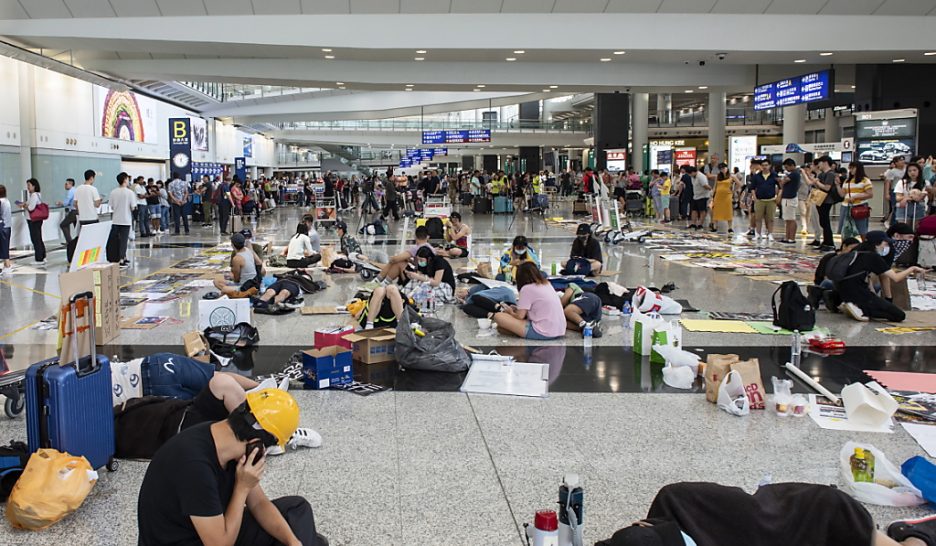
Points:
(687, 307)
(719, 326)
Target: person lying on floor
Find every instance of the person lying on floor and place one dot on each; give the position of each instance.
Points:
(538, 313)
(144, 424)
(203, 485)
(480, 300)
(433, 278)
(456, 238)
(783, 514)
(582, 309)
(282, 293)
(382, 310)
(350, 255)
(519, 252)
(585, 247)
(854, 291)
(300, 253)
(246, 271)
(394, 269)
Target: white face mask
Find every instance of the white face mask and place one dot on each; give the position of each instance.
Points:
(884, 251)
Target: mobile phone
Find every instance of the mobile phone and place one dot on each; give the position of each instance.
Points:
(255, 446)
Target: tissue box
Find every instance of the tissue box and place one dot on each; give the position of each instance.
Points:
(333, 337)
(373, 346)
(323, 368)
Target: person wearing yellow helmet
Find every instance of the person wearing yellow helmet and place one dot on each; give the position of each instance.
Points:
(203, 485)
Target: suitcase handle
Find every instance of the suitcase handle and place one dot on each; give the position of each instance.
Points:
(73, 310)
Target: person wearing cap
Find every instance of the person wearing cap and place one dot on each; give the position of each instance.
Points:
(782, 514)
(456, 237)
(203, 485)
(518, 253)
(854, 290)
(257, 248)
(246, 271)
(586, 247)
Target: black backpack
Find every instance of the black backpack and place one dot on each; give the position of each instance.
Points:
(795, 311)
(13, 459)
(837, 268)
(435, 228)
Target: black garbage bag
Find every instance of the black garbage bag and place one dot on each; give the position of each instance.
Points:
(437, 351)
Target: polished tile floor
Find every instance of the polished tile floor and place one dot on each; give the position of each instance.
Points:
(424, 464)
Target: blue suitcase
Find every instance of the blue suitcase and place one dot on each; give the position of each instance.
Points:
(70, 407)
(502, 205)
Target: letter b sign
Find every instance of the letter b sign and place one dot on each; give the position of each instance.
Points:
(179, 129)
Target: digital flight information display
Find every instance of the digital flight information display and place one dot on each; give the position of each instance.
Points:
(797, 90)
(464, 136)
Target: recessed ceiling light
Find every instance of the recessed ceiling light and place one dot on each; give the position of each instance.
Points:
(409, 85)
(619, 52)
(481, 85)
(826, 54)
(899, 60)
(510, 59)
(408, 89)
(546, 90)
(326, 50)
(339, 83)
(554, 87)
(853, 87)
(329, 57)
(519, 51)
(342, 87)
(703, 87)
(420, 51)
(419, 59)
(800, 61)
(689, 91)
(930, 53)
(605, 59)
(476, 89)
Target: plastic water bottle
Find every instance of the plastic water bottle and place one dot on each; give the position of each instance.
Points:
(571, 499)
(587, 335)
(627, 315)
(797, 347)
(921, 282)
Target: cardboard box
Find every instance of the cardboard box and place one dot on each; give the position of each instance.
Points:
(323, 368)
(196, 346)
(223, 312)
(104, 281)
(333, 337)
(373, 346)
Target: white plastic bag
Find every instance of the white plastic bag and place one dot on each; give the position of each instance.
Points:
(678, 357)
(679, 377)
(902, 494)
(731, 395)
(648, 301)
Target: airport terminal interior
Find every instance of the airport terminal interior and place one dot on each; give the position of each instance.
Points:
(468, 272)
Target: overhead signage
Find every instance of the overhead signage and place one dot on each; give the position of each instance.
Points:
(426, 154)
(405, 163)
(664, 158)
(180, 147)
(882, 136)
(617, 159)
(685, 156)
(240, 168)
(810, 87)
(740, 151)
(464, 136)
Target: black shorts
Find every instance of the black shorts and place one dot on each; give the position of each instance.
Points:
(464, 250)
(590, 304)
(700, 205)
(284, 284)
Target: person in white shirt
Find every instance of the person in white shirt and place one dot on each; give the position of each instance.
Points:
(139, 189)
(123, 202)
(87, 200)
(892, 177)
(299, 253)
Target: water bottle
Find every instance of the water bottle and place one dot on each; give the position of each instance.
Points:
(545, 531)
(796, 347)
(921, 281)
(587, 334)
(627, 316)
(571, 511)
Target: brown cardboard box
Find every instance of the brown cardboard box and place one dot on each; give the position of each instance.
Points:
(195, 346)
(104, 281)
(373, 346)
(716, 368)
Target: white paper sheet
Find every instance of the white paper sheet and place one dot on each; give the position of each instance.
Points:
(492, 283)
(201, 283)
(924, 434)
(511, 378)
(833, 417)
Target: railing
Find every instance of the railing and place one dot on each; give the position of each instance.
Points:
(226, 92)
(518, 126)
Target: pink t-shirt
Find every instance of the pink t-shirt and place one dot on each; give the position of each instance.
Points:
(543, 308)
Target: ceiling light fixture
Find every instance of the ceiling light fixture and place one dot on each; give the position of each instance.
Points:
(546, 90)
(619, 52)
(329, 57)
(419, 58)
(481, 85)
(826, 54)
(326, 50)
(899, 60)
(519, 51)
(554, 87)
(703, 87)
(342, 87)
(689, 91)
(800, 61)
(339, 83)
(510, 59)
(408, 89)
(605, 59)
(930, 53)
(421, 51)
(409, 85)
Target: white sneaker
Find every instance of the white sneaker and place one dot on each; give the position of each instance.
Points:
(267, 383)
(770, 238)
(284, 384)
(273, 451)
(853, 311)
(41, 264)
(304, 437)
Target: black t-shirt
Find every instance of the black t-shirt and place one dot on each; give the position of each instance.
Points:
(435, 264)
(821, 267)
(184, 479)
(687, 184)
(433, 186)
(590, 250)
(828, 179)
(791, 188)
(205, 408)
(329, 188)
(865, 263)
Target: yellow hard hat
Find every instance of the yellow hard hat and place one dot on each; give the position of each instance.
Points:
(356, 307)
(276, 411)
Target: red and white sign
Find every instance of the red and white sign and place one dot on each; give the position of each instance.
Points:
(618, 155)
(685, 156)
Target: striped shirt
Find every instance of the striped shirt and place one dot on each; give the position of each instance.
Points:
(854, 188)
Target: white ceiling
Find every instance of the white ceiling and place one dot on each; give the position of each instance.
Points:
(46, 9)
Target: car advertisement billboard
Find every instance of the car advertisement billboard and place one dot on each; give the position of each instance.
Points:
(882, 136)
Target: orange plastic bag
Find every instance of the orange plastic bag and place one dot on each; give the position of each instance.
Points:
(53, 486)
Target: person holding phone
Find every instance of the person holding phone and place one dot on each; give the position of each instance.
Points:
(203, 485)
(35, 226)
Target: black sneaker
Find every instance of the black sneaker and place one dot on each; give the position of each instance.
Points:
(923, 529)
(815, 242)
(832, 300)
(827, 248)
(751, 233)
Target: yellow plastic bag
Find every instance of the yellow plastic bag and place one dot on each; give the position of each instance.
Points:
(53, 486)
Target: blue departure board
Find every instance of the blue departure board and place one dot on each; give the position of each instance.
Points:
(797, 90)
(465, 136)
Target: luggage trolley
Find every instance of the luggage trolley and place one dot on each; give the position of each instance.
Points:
(621, 229)
(326, 213)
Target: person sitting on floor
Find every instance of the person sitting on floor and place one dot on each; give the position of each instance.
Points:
(456, 238)
(257, 248)
(821, 283)
(433, 278)
(314, 236)
(585, 247)
(519, 252)
(246, 271)
(582, 309)
(350, 256)
(283, 293)
(299, 253)
(203, 485)
(783, 514)
(393, 270)
(538, 313)
(382, 310)
(854, 290)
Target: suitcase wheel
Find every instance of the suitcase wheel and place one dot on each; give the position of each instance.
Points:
(641, 240)
(12, 407)
(366, 274)
(112, 465)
